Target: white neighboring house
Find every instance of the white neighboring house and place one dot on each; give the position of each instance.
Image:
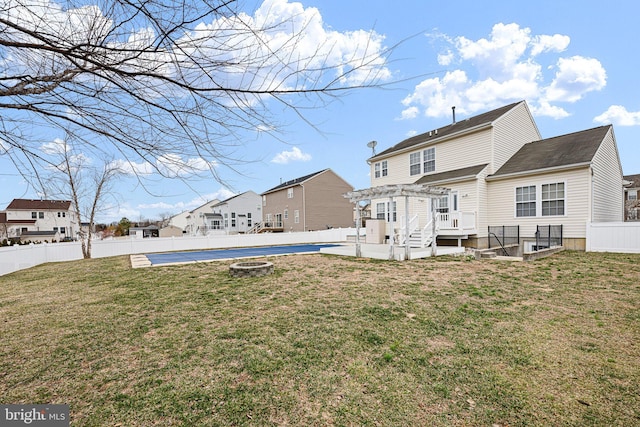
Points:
(500, 172)
(39, 220)
(200, 219)
(180, 220)
(237, 214)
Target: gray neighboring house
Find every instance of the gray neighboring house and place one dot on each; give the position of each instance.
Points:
(311, 202)
(237, 214)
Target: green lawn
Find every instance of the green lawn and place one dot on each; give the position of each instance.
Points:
(329, 341)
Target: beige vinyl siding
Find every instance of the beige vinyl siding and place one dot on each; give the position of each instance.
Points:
(325, 205)
(608, 196)
(577, 187)
(456, 153)
(511, 132)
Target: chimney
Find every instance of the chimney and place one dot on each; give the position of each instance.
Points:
(453, 110)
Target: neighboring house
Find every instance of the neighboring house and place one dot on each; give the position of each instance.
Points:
(631, 201)
(180, 220)
(311, 202)
(144, 232)
(39, 220)
(498, 172)
(201, 219)
(171, 231)
(237, 214)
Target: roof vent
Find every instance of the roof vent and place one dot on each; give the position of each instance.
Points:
(436, 131)
(429, 133)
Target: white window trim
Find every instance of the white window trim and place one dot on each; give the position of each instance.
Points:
(418, 163)
(538, 201)
(424, 161)
(290, 193)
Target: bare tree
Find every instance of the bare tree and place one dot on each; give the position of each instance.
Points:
(169, 84)
(84, 181)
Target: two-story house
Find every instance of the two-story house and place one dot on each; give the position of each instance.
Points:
(201, 220)
(311, 202)
(237, 214)
(39, 220)
(499, 171)
(631, 200)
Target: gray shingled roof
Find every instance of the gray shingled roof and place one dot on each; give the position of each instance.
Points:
(565, 150)
(635, 179)
(459, 126)
(293, 182)
(468, 172)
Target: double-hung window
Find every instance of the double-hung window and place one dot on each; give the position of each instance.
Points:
(553, 199)
(414, 163)
(380, 213)
(526, 201)
(429, 160)
(290, 193)
(380, 169)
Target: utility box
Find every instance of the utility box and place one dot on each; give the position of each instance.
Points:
(376, 231)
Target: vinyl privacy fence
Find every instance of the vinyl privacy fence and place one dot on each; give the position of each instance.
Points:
(14, 258)
(613, 237)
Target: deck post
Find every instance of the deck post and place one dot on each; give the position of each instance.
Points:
(358, 220)
(434, 249)
(407, 249)
(391, 226)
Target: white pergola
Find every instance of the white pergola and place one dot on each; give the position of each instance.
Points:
(391, 192)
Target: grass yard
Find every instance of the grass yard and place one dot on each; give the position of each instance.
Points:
(329, 341)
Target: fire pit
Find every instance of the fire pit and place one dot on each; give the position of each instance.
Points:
(251, 269)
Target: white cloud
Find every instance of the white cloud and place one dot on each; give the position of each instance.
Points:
(445, 59)
(56, 147)
(545, 43)
(295, 155)
(619, 116)
(575, 77)
(502, 68)
(132, 168)
(410, 113)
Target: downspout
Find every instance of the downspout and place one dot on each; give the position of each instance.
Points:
(304, 209)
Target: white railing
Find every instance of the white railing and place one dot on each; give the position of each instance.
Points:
(457, 221)
(407, 231)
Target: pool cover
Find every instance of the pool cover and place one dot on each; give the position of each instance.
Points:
(209, 255)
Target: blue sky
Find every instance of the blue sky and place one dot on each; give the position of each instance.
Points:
(576, 63)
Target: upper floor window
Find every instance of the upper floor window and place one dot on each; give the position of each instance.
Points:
(632, 195)
(380, 169)
(290, 193)
(423, 161)
(264, 200)
(34, 215)
(553, 199)
(429, 160)
(41, 215)
(380, 213)
(62, 214)
(526, 201)
(286, 214)
(414, 163)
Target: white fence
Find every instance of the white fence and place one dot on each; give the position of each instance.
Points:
(613, 237)
(14, 258)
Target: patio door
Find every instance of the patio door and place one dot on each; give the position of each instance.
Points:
(278, 223)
